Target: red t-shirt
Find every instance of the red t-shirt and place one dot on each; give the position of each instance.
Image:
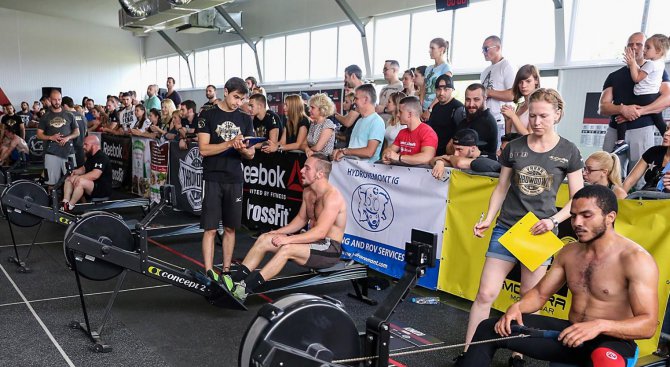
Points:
(411, 142)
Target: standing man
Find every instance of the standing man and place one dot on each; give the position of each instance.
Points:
(614, 285)
(616, 101)
(11, 120)
(497, 78)
(393, 85)
(210, 94)
(78, 143)
(266, 122)
(59, 128)
(447, 113)
(323, 209)
(127, 117)
(93, 180)
(352, 79)
(479, 119)
(368, 133)
(25, 113)
(152, 100)
(171, 93)
(221, 131)
(415, 144)
(90, 105)
(188, 123)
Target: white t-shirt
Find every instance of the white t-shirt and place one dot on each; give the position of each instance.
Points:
(652, 83)
(499, 76)
(392, 132)
(384, 95)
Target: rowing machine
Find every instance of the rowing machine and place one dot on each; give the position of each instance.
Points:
(327, 333)
(100, 246)
(26, 204)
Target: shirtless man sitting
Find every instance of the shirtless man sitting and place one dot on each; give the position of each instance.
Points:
(13, 149)
(323, 208)
(614, 285)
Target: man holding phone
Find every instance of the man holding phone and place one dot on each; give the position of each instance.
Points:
(221, 139)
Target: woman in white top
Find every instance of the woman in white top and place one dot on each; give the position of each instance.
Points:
(420, 82)
(527, 80)
(394, 125)
(408, 82)
(321, 133)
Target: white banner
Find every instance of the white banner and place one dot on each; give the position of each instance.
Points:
(384, 204)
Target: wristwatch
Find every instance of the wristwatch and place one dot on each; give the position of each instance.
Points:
(280, 149)
(554, 220)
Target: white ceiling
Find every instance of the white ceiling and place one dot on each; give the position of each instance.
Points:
(99, 12)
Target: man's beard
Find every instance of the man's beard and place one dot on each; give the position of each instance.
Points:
(597, 233)
(55, 106)
(471, 116)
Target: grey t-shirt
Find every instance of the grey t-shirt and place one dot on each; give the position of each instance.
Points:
(81, 123)
(53, 123)
(536, 178)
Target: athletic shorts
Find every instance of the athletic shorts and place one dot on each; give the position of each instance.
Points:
(55, 167)
(324, 254)
(498, 251)
(98, 192)
(222, 202)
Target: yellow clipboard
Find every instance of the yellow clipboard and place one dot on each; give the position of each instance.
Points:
(531, 250)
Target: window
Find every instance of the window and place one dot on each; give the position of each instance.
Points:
(424, 29)
(658, 17)
(173, 69)
(391, 41)
(602, 35)
(201, 69)
(323, 54)
(297, 56)
(473, 25)
(149, 72)
(350, 49)
(233, 61)
(529, 32)
(275, 62)
(184, 75)
(249, 61)
(216, 75)
(161, 72)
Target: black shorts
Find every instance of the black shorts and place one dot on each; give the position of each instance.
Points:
(324, 254)
(222, 202)
(98, 192)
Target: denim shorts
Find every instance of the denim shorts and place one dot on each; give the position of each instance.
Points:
(497, 251)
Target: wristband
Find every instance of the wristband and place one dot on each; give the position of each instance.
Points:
(399, 157)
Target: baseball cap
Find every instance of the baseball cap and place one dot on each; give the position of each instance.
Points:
(467, 138)
(304, 96)
(447, 79)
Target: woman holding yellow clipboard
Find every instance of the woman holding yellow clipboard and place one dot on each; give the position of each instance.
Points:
(533, 168)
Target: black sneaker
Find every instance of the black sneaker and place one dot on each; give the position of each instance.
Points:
(458, 360)
(516, 361)
(620, 148)
(211, 274)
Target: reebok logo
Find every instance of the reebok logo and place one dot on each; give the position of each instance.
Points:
(273, 177)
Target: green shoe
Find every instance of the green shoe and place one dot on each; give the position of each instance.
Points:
(240, 291)
(227, 282)
(211, 274)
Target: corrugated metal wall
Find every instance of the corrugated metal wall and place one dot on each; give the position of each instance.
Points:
(82, 58)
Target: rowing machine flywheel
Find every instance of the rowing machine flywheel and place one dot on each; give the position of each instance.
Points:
(107, 230)
(19, 197)
(316, 327)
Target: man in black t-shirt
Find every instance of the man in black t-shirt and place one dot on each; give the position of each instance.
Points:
(188, 124)
(446, 114)
(221, 131)
(78, 143)
(11, 120)
(210, 94)
(93, 179)
(479, 119)
(266, 122)
(616, 101)
(25, 114)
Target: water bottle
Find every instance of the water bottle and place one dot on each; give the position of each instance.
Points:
(426, 300)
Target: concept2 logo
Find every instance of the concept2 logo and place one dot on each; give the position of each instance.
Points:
(372, 208)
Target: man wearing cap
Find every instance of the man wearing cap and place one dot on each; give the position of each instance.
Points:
(447, 113)
(466, 156)
(416, 144)
(480, 119)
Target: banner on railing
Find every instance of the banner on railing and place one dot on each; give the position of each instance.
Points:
(272, 189)
(117, 149)
(35, 145)
(141, 166)
(186, 176)
(384, 204)
(160, 153)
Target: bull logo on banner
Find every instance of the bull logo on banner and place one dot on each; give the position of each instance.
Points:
(372, 207)
(190, 178)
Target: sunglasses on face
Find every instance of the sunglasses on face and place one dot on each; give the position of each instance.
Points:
(486, 49)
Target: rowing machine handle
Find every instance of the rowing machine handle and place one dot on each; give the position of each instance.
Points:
(535, 333)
